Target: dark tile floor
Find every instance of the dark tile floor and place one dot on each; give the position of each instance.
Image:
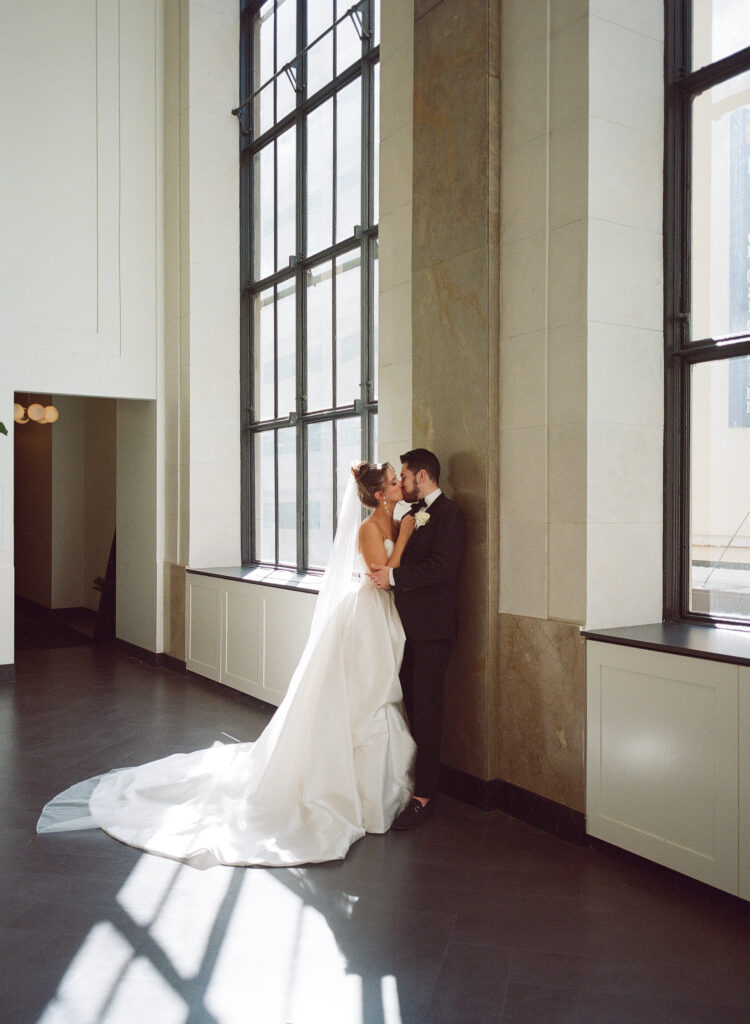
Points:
(473, 918)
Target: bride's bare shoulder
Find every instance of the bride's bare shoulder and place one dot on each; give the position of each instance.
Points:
(369, 526)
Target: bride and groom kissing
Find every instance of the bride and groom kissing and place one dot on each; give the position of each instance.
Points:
(425, 593)
(338, 758)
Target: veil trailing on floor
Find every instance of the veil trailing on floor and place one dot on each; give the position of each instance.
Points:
(333, 762)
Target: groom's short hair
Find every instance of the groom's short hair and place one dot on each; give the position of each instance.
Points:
(421, 458)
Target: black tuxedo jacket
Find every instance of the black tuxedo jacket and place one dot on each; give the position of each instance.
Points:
(427, 578)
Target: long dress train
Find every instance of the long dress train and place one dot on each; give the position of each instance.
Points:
(333, 763)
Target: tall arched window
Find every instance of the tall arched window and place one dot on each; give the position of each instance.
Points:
(309, 213)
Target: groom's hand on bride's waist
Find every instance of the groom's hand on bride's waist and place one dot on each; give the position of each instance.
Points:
(380, 576)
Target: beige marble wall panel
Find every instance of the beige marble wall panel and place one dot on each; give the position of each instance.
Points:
(174, 593)
(450, 123)
(455, 300)
(451, 397)
(543, 708)
(422, 7)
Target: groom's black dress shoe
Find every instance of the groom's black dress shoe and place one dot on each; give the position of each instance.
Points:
(413, 814)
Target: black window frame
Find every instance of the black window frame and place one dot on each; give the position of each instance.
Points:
(683, 85)
(363, 241)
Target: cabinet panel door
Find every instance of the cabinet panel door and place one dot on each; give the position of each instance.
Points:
(745, 782)
(242, 658)
(287, 625)
(662, 774)
(203, 625)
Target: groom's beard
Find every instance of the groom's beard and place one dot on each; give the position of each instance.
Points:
(412, 495)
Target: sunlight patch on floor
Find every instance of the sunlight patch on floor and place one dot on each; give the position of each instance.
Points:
(251, 944)
(186, 919)
(280, 959)
(86, 987)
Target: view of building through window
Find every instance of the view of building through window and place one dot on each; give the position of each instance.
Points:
(309, 157)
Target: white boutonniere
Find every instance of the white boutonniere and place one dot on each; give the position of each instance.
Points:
(421, 518)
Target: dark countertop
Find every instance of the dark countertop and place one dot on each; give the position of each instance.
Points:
(264, 575)
(693, 640)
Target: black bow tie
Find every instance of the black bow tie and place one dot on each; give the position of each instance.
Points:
(418, 504)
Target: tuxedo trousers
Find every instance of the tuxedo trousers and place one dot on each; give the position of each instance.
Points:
(423, 682)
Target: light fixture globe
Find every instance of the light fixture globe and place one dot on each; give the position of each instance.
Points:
(36, 412)
(51, 415)
(19, 413)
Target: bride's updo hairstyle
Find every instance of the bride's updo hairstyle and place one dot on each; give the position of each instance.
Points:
(370, 477)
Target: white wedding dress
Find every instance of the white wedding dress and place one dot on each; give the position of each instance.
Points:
(334, 762)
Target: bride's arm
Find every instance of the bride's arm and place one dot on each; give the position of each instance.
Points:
(406, 529)
(372, 546)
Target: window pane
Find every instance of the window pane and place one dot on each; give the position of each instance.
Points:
(348, 450)
(720, 27)
(348, 328)
(320, 56)
(373, 435)
(320, 178)
(286, 95)
(265, 517)
(720, 488)
(263, 213)
(286, 32)
(286, 165)
(287, 442)
(263, 375)
(348, 44)
(286, 51)
(721, 211)
(263, 68)
(319, 338)
(376, 22)
(348, 159)
(286, 348)
(319, 493)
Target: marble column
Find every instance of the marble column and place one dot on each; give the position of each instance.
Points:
(455, 300)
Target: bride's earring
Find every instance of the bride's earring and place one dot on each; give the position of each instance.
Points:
(387, 510)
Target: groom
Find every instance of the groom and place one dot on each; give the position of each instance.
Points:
(425, 585)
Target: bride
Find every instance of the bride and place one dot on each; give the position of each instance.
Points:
(333, 763)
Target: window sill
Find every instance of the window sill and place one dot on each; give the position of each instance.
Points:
(264, 576)
(691, 640)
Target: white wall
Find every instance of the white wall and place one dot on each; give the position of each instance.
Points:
(395, 228)
(78, 312)
(581, 311)
(80, 213)
(209, 311)
(624, 282)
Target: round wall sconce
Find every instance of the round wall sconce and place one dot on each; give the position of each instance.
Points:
(35, 412)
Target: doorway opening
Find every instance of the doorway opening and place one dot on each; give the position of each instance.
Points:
(64, 521)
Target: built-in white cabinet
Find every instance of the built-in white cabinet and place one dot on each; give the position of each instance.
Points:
(744, 703)
(668, 752)
(245, 635)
